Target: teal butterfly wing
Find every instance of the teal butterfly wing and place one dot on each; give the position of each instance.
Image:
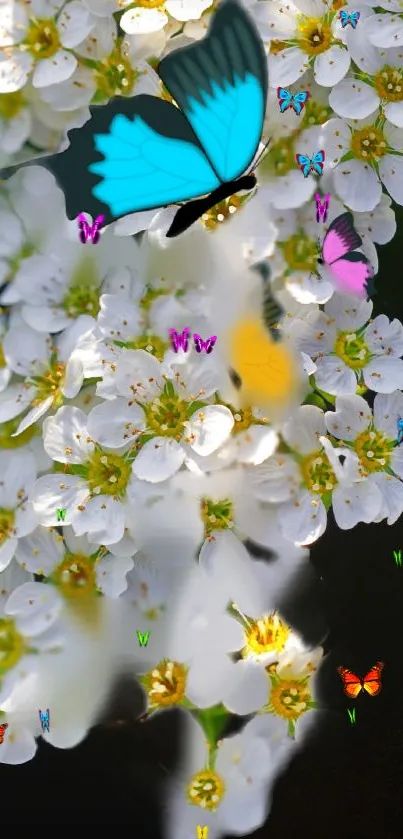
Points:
(220, 84)
(133, 154)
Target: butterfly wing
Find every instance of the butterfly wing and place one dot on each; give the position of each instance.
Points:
(209, 344)
(351, 274)
(352, 685)
(133, 154)
(372, 681)
(220, 84)
(318, 161)
(344, 18)
(299, 100)
(198, 342)
(285, 98)
(340, 238)
(304, 164)
(354, 18)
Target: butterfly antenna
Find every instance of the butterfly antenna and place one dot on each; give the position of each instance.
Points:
(261, 155)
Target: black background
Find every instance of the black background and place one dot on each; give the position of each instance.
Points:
(347, 781)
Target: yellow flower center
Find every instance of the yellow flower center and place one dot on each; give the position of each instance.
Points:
(217, 515)
(75, 576)
(352, 349)
(315, 36)
(279, 160)
(167, 414)
(149, 4)
(7, 520)
(374, 450)
(11, 104)
(300, 253)
(315, 113)
(115, 76)
(151, 343)
(43, 38)
(2, 358)
(166, 684)
(222, 211)
(266, 635)
(389, 83)
(289, 698)
(317, 473)
(12, 645)
(108, 474)
(368, 144)
(50, 383)
(206, 790)
(82, 297)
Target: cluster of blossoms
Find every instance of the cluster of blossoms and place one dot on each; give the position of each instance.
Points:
(131, 479)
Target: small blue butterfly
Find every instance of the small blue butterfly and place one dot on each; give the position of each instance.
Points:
(314, 164)
(399, 430)
(349, 17)
(288, 100)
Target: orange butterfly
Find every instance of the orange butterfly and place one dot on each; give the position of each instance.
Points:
(2, 730)
(353, 685)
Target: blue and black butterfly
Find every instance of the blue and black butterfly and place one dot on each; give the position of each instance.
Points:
(311, 164)
(143, 152)
(296, 101)
(349, 17)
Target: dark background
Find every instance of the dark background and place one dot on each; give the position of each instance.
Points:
(347, 781)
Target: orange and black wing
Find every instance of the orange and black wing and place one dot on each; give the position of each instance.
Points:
(372, 681)
(352, 685)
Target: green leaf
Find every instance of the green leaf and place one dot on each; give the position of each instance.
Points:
(315, 399)
(212, 721)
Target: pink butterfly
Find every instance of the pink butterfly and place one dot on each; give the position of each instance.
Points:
(180, 340)
(88, 231)
(350, 271)
(201, 345)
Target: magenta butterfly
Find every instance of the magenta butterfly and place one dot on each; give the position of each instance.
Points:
(321, 209)
(349, 271)
(180, 340)
(87, 231)
(201, 345)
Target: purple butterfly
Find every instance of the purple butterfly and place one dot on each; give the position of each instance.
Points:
(180, 340)
(87, 231)
(201, 345)
(321, 209)
(350, 271)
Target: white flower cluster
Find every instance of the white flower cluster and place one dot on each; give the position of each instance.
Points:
(131, 478)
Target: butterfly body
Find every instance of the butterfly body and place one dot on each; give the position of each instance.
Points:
(353, 685)
(311, 164)
(351, 272)
(143, 152)
(192, 211)
(351, 18)
(287, 100)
